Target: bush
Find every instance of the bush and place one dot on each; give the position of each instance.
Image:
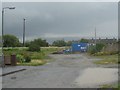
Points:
(20, 58)
(96, 49)
(92, 50)
(99, 47)
(34, 47)
(27, 58)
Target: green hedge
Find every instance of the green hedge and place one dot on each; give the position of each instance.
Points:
(34, 47)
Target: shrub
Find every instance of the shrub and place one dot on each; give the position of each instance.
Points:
(92, 50)
(34, 47)
(20, 58)
(99, 47)
(95, 49)
(27, 58)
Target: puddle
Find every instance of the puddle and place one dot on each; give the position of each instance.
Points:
(92, 77)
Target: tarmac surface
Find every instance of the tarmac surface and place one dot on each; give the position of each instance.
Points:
(65, 71)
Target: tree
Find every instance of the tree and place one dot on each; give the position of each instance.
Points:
(34, 47)
(27, 43)
(84, 40)
(69, 43)
(10, 41)
(40, 42)
(59, 43)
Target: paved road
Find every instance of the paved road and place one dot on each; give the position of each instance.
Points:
(60, 73)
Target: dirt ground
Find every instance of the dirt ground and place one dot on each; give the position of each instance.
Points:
(65, 71)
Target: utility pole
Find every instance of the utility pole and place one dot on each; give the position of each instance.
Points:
(2, 27)
(95, 39)
(24, 32)
(95, 36)
(2, 36)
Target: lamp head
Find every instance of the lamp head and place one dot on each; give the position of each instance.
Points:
(11, 7)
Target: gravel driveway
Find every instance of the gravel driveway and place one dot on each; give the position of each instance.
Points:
(60, 73)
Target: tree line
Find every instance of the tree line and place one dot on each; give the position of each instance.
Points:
(34, 45)
(13, 41)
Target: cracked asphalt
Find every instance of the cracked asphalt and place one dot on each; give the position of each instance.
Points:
(60, 73)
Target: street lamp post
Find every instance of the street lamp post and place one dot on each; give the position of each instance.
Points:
(95, 40)
(3, 9)
(24, 32)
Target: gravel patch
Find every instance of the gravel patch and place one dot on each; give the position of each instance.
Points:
(93, 77)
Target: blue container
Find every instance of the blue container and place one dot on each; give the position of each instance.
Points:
(79, 47)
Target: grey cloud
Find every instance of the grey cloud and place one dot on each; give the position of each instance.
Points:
(0, 19)
(62, 18)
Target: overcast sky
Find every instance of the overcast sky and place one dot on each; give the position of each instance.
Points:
(58, 20)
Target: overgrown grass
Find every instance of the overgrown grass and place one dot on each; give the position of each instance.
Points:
(38, 58)
(33, 63)
(48, 50)
(107, 59)
(111, 86)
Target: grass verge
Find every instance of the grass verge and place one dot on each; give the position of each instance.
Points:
(38, 58)
(111, 86)
(33, 63)
(107, 59)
